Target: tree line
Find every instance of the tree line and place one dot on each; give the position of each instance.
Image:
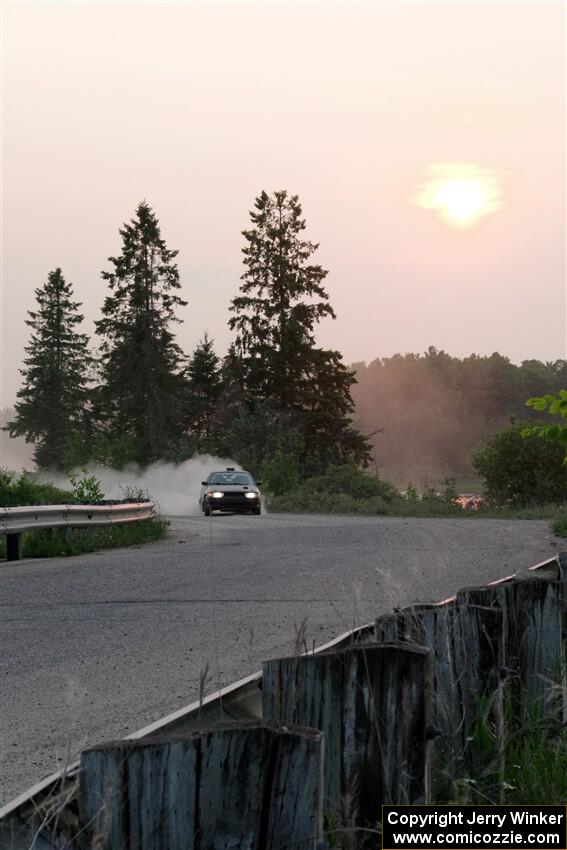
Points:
(136, 397)
(432, 412)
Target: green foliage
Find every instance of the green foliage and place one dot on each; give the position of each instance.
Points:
(87, 489)
(341, 490)
(113, 450)
(411, 494)
(280, 473)
(517, 761)
(251, 437)
(52, 401)
(135, 494)
(536, 766)
(274, 363)
(55, 543)
(559, 525)
(204, 387)
(19, 490)
(555, 405)
(352, 482)
(140, 398)
(521, 472)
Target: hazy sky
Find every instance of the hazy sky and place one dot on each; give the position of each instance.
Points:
(197, 108)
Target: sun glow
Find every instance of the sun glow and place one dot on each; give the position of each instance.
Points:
(460, 193)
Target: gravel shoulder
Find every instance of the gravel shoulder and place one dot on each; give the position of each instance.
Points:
(97, 646)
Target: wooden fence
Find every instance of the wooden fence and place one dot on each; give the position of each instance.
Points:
(344, 731)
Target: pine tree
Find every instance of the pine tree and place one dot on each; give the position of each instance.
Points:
(52, 400)
(204, 386)
(141, 393)
(282, 299)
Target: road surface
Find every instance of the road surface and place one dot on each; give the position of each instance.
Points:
(97, 646)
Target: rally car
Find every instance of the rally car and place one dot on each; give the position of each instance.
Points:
(232, 490)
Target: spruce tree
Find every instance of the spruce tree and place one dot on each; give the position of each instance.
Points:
(141, 394)
(51, 403)
(204, 386)
(282, 298)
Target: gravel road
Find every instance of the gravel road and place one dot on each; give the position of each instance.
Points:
(97, 646)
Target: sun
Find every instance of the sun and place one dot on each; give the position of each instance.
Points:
(462, 201)
(460, 193)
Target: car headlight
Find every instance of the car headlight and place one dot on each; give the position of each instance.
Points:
(250, 495)
(217, 494)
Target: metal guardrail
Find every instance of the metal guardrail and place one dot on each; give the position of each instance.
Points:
(14, 521)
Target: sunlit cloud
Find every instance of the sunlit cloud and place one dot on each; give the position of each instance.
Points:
(461, 193)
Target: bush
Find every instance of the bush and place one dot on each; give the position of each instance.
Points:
(350, 481)
(559, 526)
(24, 490)
(341, 490)
(280, 473)
(521, 472)
(87, 490)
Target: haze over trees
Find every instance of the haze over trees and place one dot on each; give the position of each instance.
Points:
(433, 410)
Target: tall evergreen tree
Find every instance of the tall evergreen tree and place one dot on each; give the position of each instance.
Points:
(141, 394)
(51, 403)
(204, 386)
(282, 299)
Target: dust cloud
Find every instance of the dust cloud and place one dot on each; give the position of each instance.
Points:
(174, 487)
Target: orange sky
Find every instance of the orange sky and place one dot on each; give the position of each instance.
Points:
(198, 107)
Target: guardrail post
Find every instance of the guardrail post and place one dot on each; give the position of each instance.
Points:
(372, 704)
(13, 547)
(246, 785)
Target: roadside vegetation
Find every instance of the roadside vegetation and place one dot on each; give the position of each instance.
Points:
(347, 490)
(22, 490)
(58, 542)
(528, 763)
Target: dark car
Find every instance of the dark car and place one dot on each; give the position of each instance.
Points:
(232, 490)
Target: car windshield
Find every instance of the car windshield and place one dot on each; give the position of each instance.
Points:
(230, 478)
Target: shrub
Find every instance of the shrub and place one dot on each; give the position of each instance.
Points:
(280, 473)
(521, 472)
(87, 490)
(350, 481)
(559, 526)
(22, 489)
(341, 490)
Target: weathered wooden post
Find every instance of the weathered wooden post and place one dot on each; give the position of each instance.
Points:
(465, 639)
(532, 656)
(372, 704)
(246, 785)
(430, 626)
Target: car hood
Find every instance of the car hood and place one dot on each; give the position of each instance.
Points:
(233, 488)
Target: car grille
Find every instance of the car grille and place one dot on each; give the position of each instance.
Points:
(233, 500)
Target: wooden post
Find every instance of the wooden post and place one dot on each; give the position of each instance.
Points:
(372, 704)
(532, 653)
(248, 786)
(13, 547)
(430, 626)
